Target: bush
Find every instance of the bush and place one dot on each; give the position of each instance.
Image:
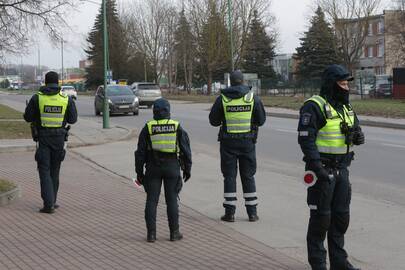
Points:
(6, 186)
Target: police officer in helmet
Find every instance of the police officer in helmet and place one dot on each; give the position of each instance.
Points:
(163, 147)
(49, 111)
(239, 113)
(328, 128)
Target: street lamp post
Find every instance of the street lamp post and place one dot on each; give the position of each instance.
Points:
(106, 111)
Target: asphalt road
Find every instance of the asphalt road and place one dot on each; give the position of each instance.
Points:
(378, 169)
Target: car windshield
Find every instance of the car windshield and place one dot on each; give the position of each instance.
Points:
(148, 87)
(119, 90)
(385, 86)
(68, 88)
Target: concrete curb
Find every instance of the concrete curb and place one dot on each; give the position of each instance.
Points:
(131, 133)
(370, 123)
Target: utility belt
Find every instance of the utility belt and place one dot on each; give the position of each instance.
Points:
(52, 131)
(337, 161)
(162, 155)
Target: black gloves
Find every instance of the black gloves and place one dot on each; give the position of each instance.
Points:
(139, 178)
(317, 167)
(358, 137)
(186, 175)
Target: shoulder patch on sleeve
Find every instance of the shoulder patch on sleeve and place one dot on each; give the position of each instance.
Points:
(305, 119)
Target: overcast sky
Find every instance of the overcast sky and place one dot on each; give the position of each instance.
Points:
(292, 20)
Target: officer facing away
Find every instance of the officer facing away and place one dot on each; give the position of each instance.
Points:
(239, 113)
(49, 111)
(162, 146)
(328, 128)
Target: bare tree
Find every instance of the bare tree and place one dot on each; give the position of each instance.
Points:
(242, 15)
(351, 21)
(395, 35)
(169, 35)
(19, 19)
(146, 24)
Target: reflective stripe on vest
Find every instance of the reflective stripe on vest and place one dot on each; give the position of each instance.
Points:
(163, 135)
(52, 109)
(330, 139)
(238, 113)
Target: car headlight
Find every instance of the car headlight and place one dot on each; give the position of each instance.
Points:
(109, 101)
(135, 101)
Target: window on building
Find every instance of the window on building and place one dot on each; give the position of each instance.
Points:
(380, 50)
(380, 27)
(370, 50)
(379, 70)
(370, 29)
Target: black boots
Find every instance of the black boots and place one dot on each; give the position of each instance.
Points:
(231, 217)
(228, 217)
(351, 267)
(253, 217)
(47, 210)
(175, 235)
(151, 237)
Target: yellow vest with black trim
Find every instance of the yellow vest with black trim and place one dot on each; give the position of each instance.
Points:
(238, 113)
(330, 139)
(163, 135)
(52, 109)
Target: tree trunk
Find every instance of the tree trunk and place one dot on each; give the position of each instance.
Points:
(209, 85)
(185, 73)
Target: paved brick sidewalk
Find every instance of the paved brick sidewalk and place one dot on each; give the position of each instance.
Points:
(100, 225)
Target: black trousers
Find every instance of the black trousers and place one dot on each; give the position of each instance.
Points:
(329, 202)
(49, 160)
(168, 173)
(242, 152)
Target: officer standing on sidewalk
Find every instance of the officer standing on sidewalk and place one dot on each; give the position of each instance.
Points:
(162, 146)
(49, 111)
(239, 113)
(328, 128)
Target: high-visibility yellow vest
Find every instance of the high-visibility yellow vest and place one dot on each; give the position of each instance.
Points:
(330, 139)
(238, 113)
(52, 109)
(163, 135)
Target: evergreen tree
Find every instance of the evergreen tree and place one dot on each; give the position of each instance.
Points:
(185, 52)
(318, 49)
(117, 48)
(213, 47)
(259, 50)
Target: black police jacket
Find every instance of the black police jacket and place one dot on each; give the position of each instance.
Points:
(311, 121)
(144, 153)
(53, 137)
(217, 115)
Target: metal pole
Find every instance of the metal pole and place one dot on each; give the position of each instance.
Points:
(106, 110)
(230, 32)
(62, 60)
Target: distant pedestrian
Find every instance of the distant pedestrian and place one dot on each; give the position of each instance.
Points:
(328, 128)
(239, 113)
(163, 147)
(49, 111)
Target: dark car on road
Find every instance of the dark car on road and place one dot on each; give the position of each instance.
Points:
(120, 98)
(382, 90)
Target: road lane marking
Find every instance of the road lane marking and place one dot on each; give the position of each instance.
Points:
(394, 145)
(286, 130)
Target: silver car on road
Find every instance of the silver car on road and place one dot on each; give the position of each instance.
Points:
(146, 92)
